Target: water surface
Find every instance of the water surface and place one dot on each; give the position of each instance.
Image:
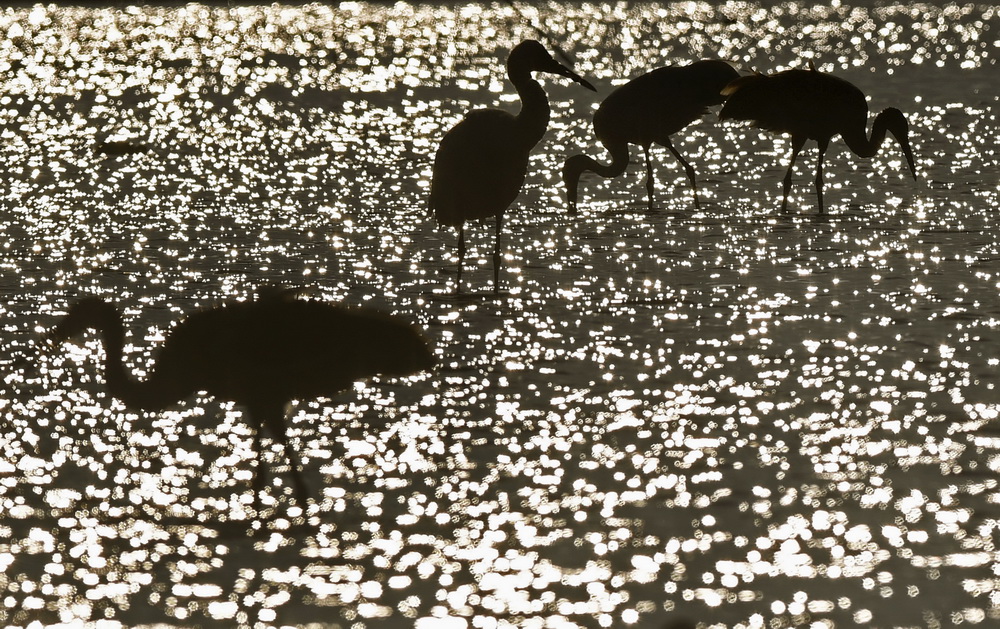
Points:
(728, 414)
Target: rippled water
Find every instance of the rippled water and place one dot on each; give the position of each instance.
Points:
(731, 415)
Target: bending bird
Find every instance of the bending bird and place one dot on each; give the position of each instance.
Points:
(261, 354)
(647, 110)
(482, 161)
(813, 105)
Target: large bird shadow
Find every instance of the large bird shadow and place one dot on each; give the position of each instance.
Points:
(261, 354)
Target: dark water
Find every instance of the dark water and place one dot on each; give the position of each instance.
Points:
(738, 416)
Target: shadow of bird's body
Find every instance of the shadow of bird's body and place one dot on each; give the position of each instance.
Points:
(648, 110)
(812, 105)
(481, 163)
(261, 354)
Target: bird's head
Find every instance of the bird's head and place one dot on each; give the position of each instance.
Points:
(89, 312)
(572, 169)
(896, 123)
(531, 56)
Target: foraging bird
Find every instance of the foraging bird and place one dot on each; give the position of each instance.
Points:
(646, 110)
(813, 105)
(482, 161)
(260, 354)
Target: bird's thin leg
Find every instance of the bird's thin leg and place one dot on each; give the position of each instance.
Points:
(496, 255)
(823, 144)
(461, 257)
(797, 144)
(649, 176)
(688, 169)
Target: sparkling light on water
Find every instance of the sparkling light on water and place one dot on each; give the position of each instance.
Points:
(729, 414)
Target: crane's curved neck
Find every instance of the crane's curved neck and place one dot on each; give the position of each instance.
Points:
(145, 395)
(579, 164)
(867, 146)
(533, 119)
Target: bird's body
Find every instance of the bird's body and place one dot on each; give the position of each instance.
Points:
(260, 354)
(648, 110)
(476, 184)
(482, 161)
(812, 105)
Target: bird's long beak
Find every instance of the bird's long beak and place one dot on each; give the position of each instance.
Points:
(560, 69)
(908, 153)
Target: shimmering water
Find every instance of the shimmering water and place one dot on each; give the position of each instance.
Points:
(731, 415)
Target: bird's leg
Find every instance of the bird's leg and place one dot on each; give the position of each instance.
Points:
(461, 257)
(496, 255)
(797, 144)
(649, 177)
(688, 169)
(823, 144)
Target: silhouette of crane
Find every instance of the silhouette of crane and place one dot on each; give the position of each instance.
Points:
(646, 110)
(261, 354)
(813, 105)
(482, 161)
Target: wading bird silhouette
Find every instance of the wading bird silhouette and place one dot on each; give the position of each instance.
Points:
(813, 105)
(646, 110)
(482, 161)
(261, 354)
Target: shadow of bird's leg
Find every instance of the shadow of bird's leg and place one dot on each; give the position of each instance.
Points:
(461, 258)
(272, 417)
(301, 494)
(650, 179)
(688, 169)
(258, 474)
(496, 255)
(797, 144)
(823, 144)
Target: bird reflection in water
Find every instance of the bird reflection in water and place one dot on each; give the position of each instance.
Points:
(813, 105)
(261, 354)
(647, 110)
(483, 160)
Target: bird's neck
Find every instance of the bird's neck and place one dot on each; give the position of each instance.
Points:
(533, 119)
(863, 145)
(579, 164)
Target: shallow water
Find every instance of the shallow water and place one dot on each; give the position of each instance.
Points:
(727, 414)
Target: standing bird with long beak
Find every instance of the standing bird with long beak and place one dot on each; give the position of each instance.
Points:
(813, 105)
(483, 160)
(647, 110)
(261, 354)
